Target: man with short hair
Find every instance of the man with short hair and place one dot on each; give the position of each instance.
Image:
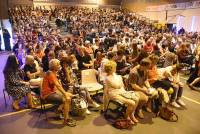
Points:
(138, 82)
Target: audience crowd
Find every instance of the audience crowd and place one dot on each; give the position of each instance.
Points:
(136, 61)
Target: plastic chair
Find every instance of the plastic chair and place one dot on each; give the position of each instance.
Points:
(89, 81)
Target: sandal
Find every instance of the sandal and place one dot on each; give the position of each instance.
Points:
(70, 122)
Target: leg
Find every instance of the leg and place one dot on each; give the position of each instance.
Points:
(130, 106)
(179, 95)
(143, 99)
(195, 81)
(66, 107)
(15, 104)
(30, 100)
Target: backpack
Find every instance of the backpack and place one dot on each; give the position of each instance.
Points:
(78, 106)
(122, 124)
(168, 114)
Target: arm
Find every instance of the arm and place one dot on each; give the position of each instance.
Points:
(60, 88)
(138, 88)
(133, 82)
(89, 65)
(147, 84)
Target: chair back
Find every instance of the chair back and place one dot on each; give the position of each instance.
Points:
(88, 76)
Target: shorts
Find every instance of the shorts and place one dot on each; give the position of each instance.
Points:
(54, 98)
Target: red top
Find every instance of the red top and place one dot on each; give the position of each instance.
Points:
(48, 84)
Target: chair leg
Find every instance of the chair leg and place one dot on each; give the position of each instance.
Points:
(45, 112)
(4, 98)
(43, 109)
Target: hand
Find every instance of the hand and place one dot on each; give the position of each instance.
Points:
(27, 83)
(67, 94)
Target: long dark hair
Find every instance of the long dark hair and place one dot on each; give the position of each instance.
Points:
(11, 65)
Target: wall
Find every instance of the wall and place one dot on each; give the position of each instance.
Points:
(186, 18)
(3, 9)
(20, 2)
(140, 5)
(87, 3)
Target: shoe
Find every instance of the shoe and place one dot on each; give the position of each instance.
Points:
(70, 122)
(191, 87)
(134, 119)
(148, 110)
(88, 112)
(180, 102)
(61, 116)
(140, 114)
(174, 104)
(95, 105)
(16, 108)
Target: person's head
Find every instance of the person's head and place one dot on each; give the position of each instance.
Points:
(51, 55)
(87, 43)
(120, 53)
(154, 59)
(11, 64)
(29, 60)
(73, 57)
(66, 61)
(99, 55)
(145, 64)
(54, 65)
(61, 54)
(46, 51)
(111, 55)
(30, 51)
(110, 67)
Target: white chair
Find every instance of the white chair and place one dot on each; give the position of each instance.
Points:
(89, 81)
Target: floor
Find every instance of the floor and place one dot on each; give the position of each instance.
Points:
(28, 121)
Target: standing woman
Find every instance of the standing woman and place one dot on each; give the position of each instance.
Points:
(6, 37)
(14, 84)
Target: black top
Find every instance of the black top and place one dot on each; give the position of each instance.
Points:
(31, 69)
(45, 63)
(85, 59)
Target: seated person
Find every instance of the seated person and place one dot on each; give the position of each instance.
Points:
(98, 59)
(122, 67)
(68, 80)
(157, 82)
(45, 60)
(138, 81)
(14, 84)
(32, 73)
(194, 79)
(85, 60)
(114, 90)
(184, 55)
(53, 92)
(171, 74)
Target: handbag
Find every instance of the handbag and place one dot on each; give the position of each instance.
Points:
(122, 124)
(168, 114)
(78, 106)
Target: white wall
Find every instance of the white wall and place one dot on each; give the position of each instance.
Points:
(188, 18)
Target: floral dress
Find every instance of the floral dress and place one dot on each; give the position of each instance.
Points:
(13, 86)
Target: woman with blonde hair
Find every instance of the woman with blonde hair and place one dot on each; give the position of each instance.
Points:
(114, 90)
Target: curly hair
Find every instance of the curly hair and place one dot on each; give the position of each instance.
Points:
(109, 66)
